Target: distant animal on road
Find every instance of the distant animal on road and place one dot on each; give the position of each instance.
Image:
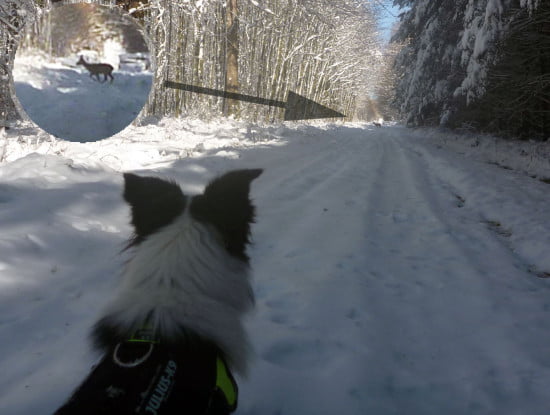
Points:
(96, 69)
(376, 124)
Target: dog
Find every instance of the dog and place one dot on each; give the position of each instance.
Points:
(173, 334)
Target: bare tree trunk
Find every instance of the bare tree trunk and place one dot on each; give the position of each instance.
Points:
(231, 106)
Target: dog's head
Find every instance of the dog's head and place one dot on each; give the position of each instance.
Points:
(225, 205)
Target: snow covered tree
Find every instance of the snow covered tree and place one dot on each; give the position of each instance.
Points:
(429, 65)
(517, 98)
(452, 52)
(317, 48)
(384, 92)
(13, 14)
(231, 55)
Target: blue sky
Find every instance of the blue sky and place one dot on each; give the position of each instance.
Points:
(390, 17)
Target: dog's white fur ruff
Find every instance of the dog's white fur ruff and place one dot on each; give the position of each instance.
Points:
(181, 276)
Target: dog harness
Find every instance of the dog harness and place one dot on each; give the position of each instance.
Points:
(143, 376)
(225, 383)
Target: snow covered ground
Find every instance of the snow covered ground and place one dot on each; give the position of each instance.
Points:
(396, 271)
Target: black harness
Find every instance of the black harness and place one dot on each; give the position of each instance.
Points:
(142, 376)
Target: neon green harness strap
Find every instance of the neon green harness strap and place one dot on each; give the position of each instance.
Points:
(226, 383)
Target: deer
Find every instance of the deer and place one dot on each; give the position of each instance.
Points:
(97, 68)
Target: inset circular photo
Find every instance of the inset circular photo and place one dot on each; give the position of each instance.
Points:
(83, 72)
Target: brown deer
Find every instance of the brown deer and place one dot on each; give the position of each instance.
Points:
(97, 68)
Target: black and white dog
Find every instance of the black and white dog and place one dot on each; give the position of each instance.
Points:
(173, 332)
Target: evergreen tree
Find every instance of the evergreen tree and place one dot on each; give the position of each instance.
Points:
(464, 61)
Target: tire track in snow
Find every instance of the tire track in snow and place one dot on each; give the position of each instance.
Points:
(521, 210)
(311, 294)
(380, 280)
(437, 281)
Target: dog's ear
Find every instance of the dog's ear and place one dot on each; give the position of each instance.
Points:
(233, 185)
(226, 204)
(155, 203)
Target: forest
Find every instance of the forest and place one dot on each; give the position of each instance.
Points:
(470, 65)
(475, 65)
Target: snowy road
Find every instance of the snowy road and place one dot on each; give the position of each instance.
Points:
(393, 293)
(391, 276)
